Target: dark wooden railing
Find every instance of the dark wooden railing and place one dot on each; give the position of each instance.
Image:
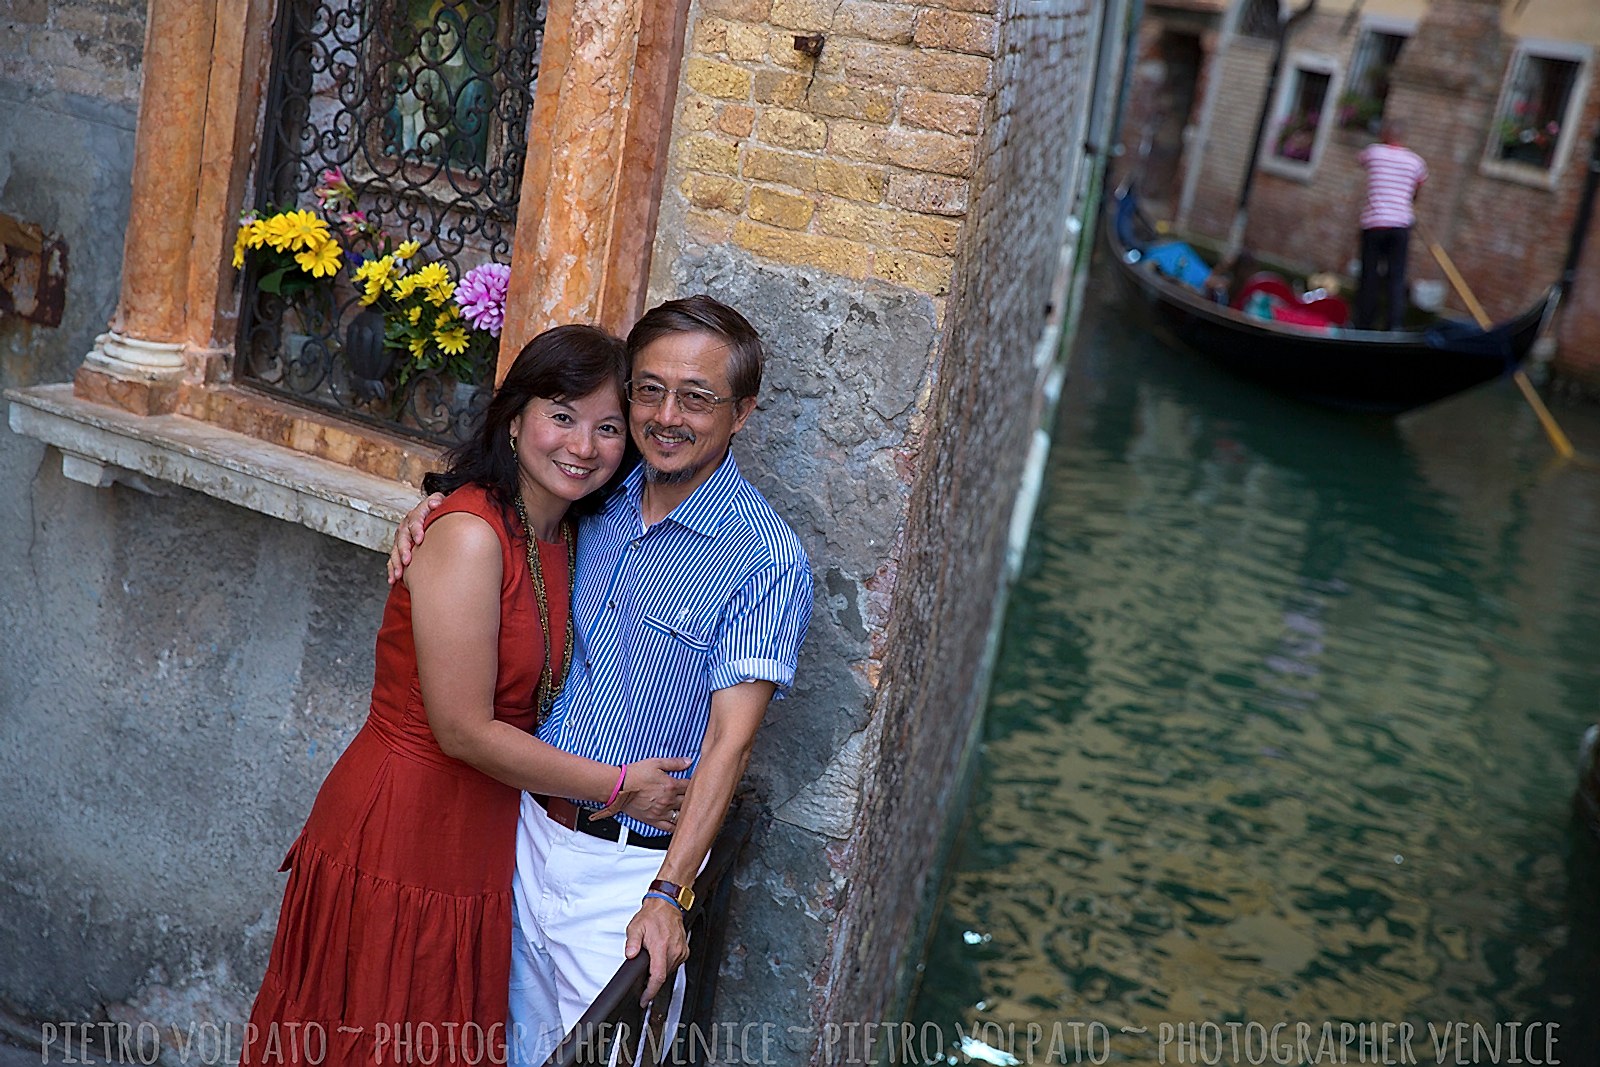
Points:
(616, 1016)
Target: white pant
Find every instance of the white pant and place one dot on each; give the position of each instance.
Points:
(574, 896)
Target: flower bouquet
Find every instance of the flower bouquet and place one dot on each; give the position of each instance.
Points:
(435, 322)
(1527, 138)
(417, 313)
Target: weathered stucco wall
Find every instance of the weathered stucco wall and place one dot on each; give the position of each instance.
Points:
(176, 675)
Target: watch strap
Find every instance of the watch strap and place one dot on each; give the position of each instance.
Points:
(682, 895)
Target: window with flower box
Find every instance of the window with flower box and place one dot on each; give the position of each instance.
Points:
(376, 257)
(327, 117)
(1298, 129)
(1538, 110)
(1366, 88)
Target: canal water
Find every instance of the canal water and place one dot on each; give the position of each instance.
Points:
(1283, 734)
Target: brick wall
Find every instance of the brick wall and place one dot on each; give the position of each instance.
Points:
(1241, 84)
(890, 213)
(90, 49)
(855, 162)
(984, 413)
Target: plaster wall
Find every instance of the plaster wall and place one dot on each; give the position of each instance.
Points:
(153, 647)
(176, 674)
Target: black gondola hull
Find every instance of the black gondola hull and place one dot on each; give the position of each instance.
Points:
(1353, 370)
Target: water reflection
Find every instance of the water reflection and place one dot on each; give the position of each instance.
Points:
(1285, 722)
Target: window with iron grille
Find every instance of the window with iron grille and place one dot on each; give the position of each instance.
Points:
(1532, 117)
(385, 205)
(1367, 89)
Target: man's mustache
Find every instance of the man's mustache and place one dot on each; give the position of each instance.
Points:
(654, 430)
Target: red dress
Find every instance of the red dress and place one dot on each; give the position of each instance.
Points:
(394, 941)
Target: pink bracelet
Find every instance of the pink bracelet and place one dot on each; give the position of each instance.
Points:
(623, 777)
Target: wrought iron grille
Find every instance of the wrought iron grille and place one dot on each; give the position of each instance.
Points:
(420, 108)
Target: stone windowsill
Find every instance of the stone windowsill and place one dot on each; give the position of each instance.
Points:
(100, 445)
(1520, 173)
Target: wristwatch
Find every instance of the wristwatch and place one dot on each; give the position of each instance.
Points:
(682, 894)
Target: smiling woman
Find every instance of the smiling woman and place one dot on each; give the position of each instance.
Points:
(398, 906)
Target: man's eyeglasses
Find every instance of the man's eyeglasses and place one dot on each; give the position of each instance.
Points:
(694, 401)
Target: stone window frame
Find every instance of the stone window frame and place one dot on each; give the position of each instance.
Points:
(155, 399)
(1490, 165)
(1296, 63)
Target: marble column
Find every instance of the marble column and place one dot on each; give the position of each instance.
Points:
(139, 363)
(597, 149)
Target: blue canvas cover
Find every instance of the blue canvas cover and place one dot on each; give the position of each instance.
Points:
(1181, 263)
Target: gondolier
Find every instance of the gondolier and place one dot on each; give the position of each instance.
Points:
(1394, 175)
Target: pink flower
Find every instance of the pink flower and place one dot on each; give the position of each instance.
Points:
(333, 190)
(481, 295)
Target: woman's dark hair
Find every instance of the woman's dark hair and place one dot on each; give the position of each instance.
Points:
(563, 363)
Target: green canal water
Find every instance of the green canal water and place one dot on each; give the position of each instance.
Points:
(1283, 731)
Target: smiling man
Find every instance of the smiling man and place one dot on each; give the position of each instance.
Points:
(691, 600)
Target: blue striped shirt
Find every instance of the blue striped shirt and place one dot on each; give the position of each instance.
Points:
(715, 594)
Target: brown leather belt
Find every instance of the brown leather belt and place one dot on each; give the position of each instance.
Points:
(568, 814)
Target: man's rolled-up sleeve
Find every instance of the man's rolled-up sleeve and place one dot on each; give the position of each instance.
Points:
(763, 627)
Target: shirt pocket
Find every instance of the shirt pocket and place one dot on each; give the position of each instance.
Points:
(681, 633)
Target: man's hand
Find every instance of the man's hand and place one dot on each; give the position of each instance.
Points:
(650, 794)
(408, 535)
(658, 927)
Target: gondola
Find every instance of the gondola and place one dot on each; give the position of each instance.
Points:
(1386, 372)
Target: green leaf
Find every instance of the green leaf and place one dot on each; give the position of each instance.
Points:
(273, 281)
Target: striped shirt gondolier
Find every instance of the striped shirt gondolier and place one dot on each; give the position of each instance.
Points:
(1393, 175)
(715, 594)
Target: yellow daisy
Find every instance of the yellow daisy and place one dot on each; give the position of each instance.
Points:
(374, 275)
(453, 341)
(277, 232)
(241, 241)
(419, 346)
(305, 229)
(320, 260)
(414, 315)
(408, 249)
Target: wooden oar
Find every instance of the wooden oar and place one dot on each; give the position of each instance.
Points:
(1558, 439)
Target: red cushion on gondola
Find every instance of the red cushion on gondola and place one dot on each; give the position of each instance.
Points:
(1265, 282)
(1299, 315)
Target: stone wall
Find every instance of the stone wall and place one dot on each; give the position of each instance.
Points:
(90, 49)
(891, 214)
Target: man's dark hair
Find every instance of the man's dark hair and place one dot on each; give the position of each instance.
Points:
(703, 314)
(563, 363)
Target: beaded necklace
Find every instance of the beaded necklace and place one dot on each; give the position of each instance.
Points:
(549, 684)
